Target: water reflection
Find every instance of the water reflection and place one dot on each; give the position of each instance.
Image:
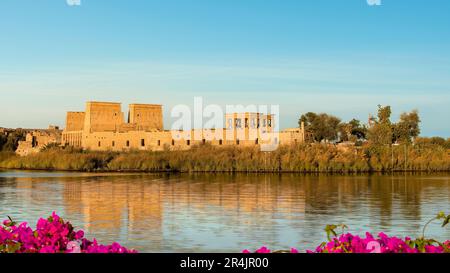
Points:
(207, 213)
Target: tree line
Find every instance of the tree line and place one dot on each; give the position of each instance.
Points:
(379, 131)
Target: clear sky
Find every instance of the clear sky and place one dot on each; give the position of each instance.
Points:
(342, 57)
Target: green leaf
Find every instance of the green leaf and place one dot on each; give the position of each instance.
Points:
(441, 215)
(446, 221)
(11, 222)
(13, 248)
(329, 229)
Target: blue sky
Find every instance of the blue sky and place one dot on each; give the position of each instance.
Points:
(341, 57)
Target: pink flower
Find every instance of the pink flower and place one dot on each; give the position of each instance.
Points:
(433, 249)
(47, 249)
(383, 244)
(73, 247)
(263, 250)
(41, 224)
(79, 235)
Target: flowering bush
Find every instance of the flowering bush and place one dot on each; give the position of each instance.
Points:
(349, 243)
(52, 235)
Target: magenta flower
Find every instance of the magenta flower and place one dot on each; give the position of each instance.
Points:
(349, 243)
(79, 235)
(263, 250)
(52, 235)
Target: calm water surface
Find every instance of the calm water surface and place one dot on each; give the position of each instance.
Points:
(226, 213)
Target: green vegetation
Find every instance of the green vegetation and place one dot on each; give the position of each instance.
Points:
(9, 142)
(381, 131)
(315, 158)
(352, 131)
(322, 126)
(384, 131)
(57, 159)
(432, 141)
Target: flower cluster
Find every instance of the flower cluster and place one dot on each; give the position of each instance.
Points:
(349, 243)
(52, 235)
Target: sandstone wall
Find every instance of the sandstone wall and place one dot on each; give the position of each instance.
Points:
(103, 117)
(146, 116)
(75, 121)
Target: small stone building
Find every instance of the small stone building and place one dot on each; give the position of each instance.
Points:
(36, 140)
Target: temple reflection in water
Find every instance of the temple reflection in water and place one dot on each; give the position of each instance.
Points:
(214, 212)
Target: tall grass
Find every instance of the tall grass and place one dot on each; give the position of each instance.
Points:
(57, 159)
(311, 158)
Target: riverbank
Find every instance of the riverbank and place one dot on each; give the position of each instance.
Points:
(306, 158)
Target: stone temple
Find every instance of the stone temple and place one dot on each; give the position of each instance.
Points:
(102, 127)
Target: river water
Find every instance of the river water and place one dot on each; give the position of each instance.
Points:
(224, 212)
